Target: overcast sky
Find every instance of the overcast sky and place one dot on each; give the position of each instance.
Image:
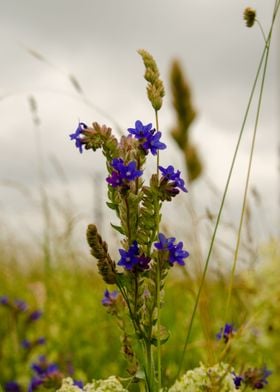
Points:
(97, 42)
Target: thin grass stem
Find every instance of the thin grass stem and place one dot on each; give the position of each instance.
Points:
(158, 278)
(244, 203)
(223, 198)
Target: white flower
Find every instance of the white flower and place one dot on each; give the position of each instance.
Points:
(110, 384)
(217, 378)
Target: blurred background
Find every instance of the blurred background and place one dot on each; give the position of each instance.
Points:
(68, 61)
(73, 61)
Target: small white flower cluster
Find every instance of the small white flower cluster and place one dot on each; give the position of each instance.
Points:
(111, 384)
(217, 378)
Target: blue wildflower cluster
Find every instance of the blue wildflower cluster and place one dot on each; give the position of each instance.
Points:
(122, 174)
(149, 138)
(256, 378)
(146, 255)
(226, 332)
(176, 254)
(132, 258)
(45, 373)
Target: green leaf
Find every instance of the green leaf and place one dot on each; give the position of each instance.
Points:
(118, 228)
(113, 206)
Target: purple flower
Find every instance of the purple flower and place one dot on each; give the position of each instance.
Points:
(78, 384)
(226, 332)
(26, 344)
(123, 173)
(35, 383)
(132, 259)
(35, 315)
(4, 300)
(110, 298)
(148, 136)
(141, 131)
(169, 174)
(43, 367)
(20, 305)
(143, 262)
(129, 258)
(12, 386)
(77, 136)
(176, 252)
(257, 378)
(164, 243)
(237, 380)
(40, 341)
(153, 144)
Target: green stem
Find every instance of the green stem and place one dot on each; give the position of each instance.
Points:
(244, 203)
(223, 198)
(158, 277)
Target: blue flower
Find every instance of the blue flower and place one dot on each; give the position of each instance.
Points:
(123, 173)
(237, 380)
(26, 344)
(35, 383)
(226, 332)
(4, 300)
(129, 258)
(35, 315)
(257, 378)
(132, 259)
(12, 386)
(43, 367)
(110, 298)
(153, 144)
(77, 136)
(148, 136)
(176, 252)
(169, 174)
(164, 243)
(78, 384)
(141, 131)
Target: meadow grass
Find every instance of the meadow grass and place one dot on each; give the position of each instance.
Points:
(78, 334)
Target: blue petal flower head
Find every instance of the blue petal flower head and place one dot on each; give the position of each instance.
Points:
(123, 173)
(153, 144)
(129, 258)
(4, 300)
(176, 252)
(109, 297)
(35, 384)
(237, 380)
(35, 315)
(170, 175)
(78, 384)
(164, 242)
(12, 386)
(226, 332)
(141, 131)
(43, 367)
(40, 341)
(77, 136)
